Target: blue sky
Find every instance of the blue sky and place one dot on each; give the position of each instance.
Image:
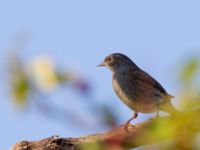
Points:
(156, 34)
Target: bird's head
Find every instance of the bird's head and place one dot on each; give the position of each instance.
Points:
(117, 60)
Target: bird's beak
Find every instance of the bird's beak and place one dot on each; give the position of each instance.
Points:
(101, 65)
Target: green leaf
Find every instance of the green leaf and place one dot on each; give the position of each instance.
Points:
(189, 71)
(20, 91)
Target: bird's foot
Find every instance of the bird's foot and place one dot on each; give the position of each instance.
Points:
(128, 125)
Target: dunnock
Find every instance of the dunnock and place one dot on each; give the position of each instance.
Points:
(136, 88)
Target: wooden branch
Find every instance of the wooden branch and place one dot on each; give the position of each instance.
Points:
(148, 132)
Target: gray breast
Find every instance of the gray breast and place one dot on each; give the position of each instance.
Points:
(124, 89)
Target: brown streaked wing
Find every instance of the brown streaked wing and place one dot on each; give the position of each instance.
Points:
(149, 80)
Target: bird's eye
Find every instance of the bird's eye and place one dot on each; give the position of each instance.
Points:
(108, 59)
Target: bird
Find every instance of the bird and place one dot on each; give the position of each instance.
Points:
(136, 88)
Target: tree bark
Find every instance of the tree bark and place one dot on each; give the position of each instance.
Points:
(148, 132)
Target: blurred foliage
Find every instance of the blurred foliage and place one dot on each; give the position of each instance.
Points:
(91, 146)
(19, 82)
(189, 81)
(178, 132)
(34, 80)
(189, 71)
(109, 116)
(40, 73)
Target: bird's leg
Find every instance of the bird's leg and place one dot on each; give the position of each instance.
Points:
(129, 121)
(133, 117)
(157, 113)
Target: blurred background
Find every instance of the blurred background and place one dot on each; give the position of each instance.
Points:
(50, 83)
